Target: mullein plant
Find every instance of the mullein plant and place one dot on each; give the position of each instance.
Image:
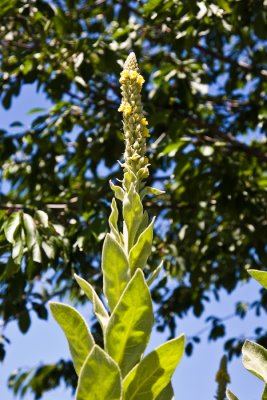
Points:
(120, 370)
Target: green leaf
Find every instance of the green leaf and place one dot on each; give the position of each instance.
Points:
(154, 274)
(36, 110)
(167, 393)
(113, 221)
(18, 246)
(118, 191)
(42, 217)
(142, 249)
(11, 226)
(130, 324)
(11, 269)
(150, 190)
(151, 5)
(49, 250)
(76, 331)
(24, 321)
(260, 276)
(115, 269)
(132, 215)
(30, 230)
(255, 359)
(147, 379)
(99, 308)
(36, 251)
(230, 395)
(100, 377)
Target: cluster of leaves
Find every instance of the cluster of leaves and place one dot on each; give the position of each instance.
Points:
(205, 68)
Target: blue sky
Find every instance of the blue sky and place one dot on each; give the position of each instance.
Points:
(195, 376)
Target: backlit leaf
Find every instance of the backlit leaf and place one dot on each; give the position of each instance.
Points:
(76, 331)
(130, 324)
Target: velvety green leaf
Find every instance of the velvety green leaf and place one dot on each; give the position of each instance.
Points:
(118, 191)
(115, 269)
(264, 394)
(142, 249)
(150, 190)
(154, 274)
(130, 324)
(30, 230)
(230, 395)
(132, 215)
(100, 377)
(99, 307)
(260, 276)
(255, 359)
(147, 379)
(144, 224)
(11, 226)
(113, 221)
(167, 393)
(76, 331)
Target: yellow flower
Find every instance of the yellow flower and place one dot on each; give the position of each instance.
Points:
(121, 108)
(133, 74)
(146, 132)
(125, 74)
(144, 121)
(140, 80)
(127, 109)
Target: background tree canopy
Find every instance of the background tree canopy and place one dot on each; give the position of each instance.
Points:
(205, 66)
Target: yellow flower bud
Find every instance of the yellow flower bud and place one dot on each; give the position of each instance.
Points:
(146, 132)
(133, 74)
(140, 80)
(127, 109)
(125, 74)
(144, 121)
(121, 108)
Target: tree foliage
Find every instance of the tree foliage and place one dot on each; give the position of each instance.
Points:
(205, 69)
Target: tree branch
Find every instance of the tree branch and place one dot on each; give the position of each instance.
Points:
(229, 60)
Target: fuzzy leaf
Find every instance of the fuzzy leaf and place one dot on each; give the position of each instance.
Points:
(148, 378)
(76, 331)
(167, 393)
(118, 191)
(264, 394)
(113, 221)
(100, 377)
(99, 308)
(130, 324)
(142, 249)
(150, 190)
(260, 276)
(115, 269)
(255, 359)
(132, 214)
(230, 395)
(154, 274)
